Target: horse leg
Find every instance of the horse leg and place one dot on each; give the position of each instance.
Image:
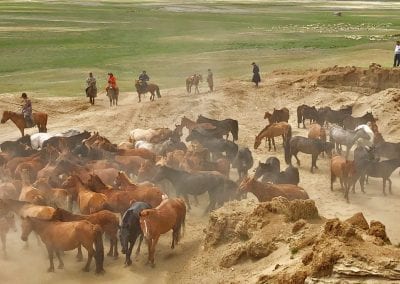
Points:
(139, 245)
(390, 185)
(90, 256)
(269, 144)
(153, 250)
(139, 98)
(273, 142)
(3, 243)
(297, 159)
(186, 197)
(51, 256)
(79, 256)
(332, 180)
(115, 240)
(128, 253)
(110, 252)
(60, 261)
(362, 179)
(341, 182)
(384, 186)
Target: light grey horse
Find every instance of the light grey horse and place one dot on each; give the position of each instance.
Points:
(340, 137)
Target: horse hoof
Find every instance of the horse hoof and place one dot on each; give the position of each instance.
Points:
(115, 256)
(110, 254)
(128, 263)
(85, 269)
(100, 272)
(50, 269)
(61, 266)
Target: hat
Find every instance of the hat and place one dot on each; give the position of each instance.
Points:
(253, 63)
(24, 95)
(110, 74)
(209, 69)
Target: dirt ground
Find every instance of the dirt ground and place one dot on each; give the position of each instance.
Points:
(234, 99)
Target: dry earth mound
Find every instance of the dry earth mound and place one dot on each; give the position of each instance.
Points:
(287, 242)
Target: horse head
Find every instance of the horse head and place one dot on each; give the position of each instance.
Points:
(257, 142)
(246, 183)
(26, 228)
(6, 116)
(267, 114)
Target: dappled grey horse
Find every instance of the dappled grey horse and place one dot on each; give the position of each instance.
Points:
(340, 137)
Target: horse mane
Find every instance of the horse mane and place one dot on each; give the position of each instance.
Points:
(265, 128)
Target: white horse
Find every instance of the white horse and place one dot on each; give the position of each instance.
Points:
(368, 130)
(37, 139)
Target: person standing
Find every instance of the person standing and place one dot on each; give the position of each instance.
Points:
(256, 74)
(210, 80)
(397, 54)
(91, 89)
(27, 110)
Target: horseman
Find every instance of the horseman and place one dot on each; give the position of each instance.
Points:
(27, 110)
(143, 78)
(91, 89)
(112, 83)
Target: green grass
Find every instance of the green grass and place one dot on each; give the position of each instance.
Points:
(48, 48)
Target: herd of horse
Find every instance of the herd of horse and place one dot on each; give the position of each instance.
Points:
(74, 187)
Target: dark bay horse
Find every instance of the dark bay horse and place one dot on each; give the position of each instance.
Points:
(243, 162)
(186, 183)
(91, 92)
(306, 112)
(130, 230)
(308, 146)
(352, 122)
(277, 115)
(229, 125)
(152, 88)
(327, 114)
(39, 119)
(112, 94)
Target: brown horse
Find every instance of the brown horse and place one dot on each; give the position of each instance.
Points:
(317, 131)
(104, 218)
(64, 236)
(88, 201)
(7, 222)
(277, 115)
(170, 214)
(39, 119)
(57, 197)
(29, 193)
(25, 209)
(190, 124)
(344, 170)
(193, 80)
(267, 191)
(152, 88)
(121, 200)
(273, 130)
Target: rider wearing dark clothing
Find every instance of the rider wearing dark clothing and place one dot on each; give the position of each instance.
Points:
(256, 74)
(143, 78)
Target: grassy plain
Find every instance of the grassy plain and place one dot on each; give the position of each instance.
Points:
(47, 47)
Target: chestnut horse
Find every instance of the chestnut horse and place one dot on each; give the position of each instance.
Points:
(104, 218)
(39, 119)
(170, 214)
(63, 236)
(273, 130)
(344, 170)
(152, 88)
(190, 124)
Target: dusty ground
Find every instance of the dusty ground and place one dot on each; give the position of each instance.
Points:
(235, 99)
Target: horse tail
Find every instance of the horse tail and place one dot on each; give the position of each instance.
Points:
(288, 155)
(235, 130)
(299, 115)
(158, 92)
(99, 249)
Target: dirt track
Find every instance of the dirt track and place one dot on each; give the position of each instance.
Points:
(235, 99)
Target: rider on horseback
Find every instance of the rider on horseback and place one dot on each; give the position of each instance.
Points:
(143, 78)
(112, 83)
(91, 83)
(27, 110)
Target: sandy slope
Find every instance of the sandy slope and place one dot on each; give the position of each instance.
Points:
(235, 99)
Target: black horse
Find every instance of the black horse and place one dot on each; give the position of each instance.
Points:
(130, 230)
(326, 114)
(214, 145)
(19, 148)
(186, 183)
(351, 123)
(308, 146)
(229, 125)
(306, 112)
(243, 162)
(383, 169)
(270, 172)
(70, 142)
(363, 157)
